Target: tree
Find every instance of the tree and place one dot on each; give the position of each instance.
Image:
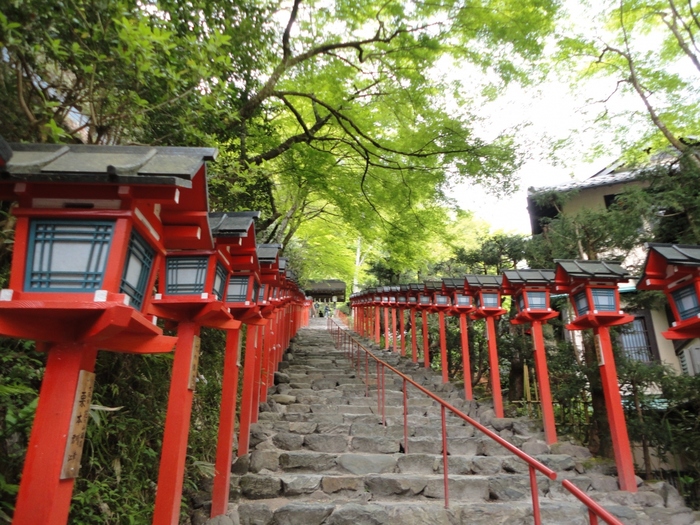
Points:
(649, 49)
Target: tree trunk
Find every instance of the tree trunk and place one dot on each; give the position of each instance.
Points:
(599, 442)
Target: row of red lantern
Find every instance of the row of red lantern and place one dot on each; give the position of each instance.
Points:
(98, 228)
(593, 289)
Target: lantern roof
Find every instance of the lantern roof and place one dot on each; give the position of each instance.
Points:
(453, 284)
(172, 177)
(668, 262)
(478, 282)
(268, 253)
(569, 269)
(516, 279)
(416, 287)
(82, 163)
(232, 224)
(326, 289)
(433, 286)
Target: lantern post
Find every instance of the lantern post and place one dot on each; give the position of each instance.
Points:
(425, 303)
(376, 304)
(412, 296)
(592, 287)
(393, 304)
(384, 301)
(486, 290)
(530, 291)
(462, 306)
(402, 303)
(91, 224)
(441, 304)
(194, 276)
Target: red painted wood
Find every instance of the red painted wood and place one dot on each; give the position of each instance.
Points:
(393, 329)
(493, 365)
(426, 351)
(466, 364)
(171, 471)
(249, 367)
(414, 336)
(44, 498)
(402, 329)
(550, 429)
(616, 416)
(261, 351)
(443, 347)
(377, 325)
(386, 328)
(227, 418)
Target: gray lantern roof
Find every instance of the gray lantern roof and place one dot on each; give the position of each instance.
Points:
(453, 284)
(232, 224)
(82, 163)
(267, 253)
(433, 286)
(601, 270)
(483, 281)
(542, 277)
(681, 254)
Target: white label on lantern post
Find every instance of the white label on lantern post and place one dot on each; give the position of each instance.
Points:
(194, 363)
(78, 425)
(599, 350)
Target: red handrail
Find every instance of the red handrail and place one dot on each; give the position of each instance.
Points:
(595, 511)
(344, 338)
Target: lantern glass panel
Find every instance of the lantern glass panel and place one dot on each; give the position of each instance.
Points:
(537, 300)
(490, 300)
(581, 303)
(442, 300)
(402, 299)
(137, 270)
(521, 303)
(463, 300)
(424, 299)
(220, 281)
(413, 300)
(185, 275)
(67, 256)
(261, 294)
(237, 291)
(604, 299)
(686, 300)
(256, 292)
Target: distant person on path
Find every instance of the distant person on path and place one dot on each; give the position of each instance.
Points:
(327, 310)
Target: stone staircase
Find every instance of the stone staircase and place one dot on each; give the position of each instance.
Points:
(321, 456)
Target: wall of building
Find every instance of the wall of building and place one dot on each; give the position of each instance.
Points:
(667, 353)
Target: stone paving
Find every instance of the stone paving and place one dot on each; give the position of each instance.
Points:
(321, 456)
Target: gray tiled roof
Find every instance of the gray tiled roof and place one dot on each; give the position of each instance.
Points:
(232, 224)
(684, 254)
(106, 164)
(433, 286)
(483, 281)
(593, 269)
(267, 253)
(529, 276)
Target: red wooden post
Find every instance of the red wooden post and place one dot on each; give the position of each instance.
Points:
(550, 429)
(249, 368)
(171, 471)
(377, 324)
(414, 336)
(443, 347)
(426, 351)
(44, 494)
(393, 328)
(227, 417)
(466, 365)
(262, 357)
(493, 365)
(402, 329)
(386, 328)
(616, 416)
